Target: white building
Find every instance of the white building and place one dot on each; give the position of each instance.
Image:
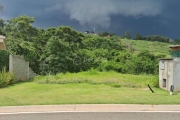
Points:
(169, 70)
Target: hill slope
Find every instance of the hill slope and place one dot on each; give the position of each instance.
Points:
(154, 47)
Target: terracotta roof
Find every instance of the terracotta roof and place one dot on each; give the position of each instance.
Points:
(166, 59)
(173, 46)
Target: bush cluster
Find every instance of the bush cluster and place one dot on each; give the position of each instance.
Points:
(6, 78)
(144, 62)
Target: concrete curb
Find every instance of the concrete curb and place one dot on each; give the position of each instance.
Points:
(89, 108)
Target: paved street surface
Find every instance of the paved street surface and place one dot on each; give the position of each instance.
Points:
(93, 116)
(91, 112)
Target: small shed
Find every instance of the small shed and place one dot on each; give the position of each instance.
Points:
(2, 43)
(169, 70)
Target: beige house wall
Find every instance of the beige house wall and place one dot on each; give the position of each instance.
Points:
(2, 43)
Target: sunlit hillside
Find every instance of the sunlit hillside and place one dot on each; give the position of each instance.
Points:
(155, 47)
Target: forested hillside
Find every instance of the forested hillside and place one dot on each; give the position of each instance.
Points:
(63, 49)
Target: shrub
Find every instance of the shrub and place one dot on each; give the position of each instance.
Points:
(6, 78)
(4, 59)
(92, 71)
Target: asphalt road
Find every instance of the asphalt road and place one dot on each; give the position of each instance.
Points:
(94, 116)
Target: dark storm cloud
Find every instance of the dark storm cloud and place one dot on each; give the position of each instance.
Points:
(33, 8)
(86, 12)
(144, 16)
(98, 12)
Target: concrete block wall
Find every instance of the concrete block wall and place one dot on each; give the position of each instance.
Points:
(31, 73)
(176, 74)
(20, 68)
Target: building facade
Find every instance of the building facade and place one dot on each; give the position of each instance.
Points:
(169, 70)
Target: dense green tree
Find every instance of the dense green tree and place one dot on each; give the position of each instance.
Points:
(63, 49)
(137, 37)
(145, 62)
(63, 46)
(156, 38)
(57, 55)
(93, 42)
(105, 34)
(127, 35)
(20, 38)
(4, 59)
(176, 42)
(20, 33)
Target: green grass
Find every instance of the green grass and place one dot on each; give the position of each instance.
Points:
(107, 78)
(154, 47)
(31, 93)
(87, 88)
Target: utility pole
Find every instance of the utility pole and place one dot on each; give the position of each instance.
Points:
(1, 21)
(1, 8)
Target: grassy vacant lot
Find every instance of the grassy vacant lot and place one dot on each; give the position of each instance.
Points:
(108, 78)
(155, 47)
(86, 88)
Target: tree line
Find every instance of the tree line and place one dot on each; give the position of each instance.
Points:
(63, 49)
(140, 37)
(152, 38)
(158, 38)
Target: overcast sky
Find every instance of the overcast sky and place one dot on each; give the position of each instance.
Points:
(147, 17)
